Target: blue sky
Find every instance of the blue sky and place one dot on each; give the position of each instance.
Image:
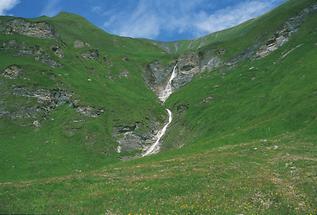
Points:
(164, 20)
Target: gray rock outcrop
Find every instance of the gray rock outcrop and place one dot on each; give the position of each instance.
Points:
(12, 72)
(21, 49)
(191, 64)
(90, 111)
(46, 101)
(28, 28)
(157, 75)
(58, 51)
(124, 74)
(78, 44)
(135, 137)
(282, 36)
(92, 54)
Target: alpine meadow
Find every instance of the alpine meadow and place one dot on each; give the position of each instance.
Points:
(95, 123)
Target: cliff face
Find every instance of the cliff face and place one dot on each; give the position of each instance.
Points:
(188, 65)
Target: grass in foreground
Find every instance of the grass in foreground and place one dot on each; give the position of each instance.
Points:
(274, 176)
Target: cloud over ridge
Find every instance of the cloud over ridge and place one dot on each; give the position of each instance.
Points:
(150, 18)
(6, 5)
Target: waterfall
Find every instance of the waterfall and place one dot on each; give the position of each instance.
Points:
(156, 146)
(163, 97)
(168, 90)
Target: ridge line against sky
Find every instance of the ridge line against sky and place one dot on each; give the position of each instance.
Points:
(165, 20)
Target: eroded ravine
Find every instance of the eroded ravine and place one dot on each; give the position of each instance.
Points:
(168, 90)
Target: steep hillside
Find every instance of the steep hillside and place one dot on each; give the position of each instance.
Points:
(67, 91)
(248, 33)
(76, 101)
(258, 95)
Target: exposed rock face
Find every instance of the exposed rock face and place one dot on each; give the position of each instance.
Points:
(57, 51)
(207, 100)
(188, 65)
(78, 44)
(211, 59)
(27, 28)
(3, 112)
(12, 72)
(284, 33)
(278, 40)
(43, 57)
(21, 49)
(92, 54)
(130, 142)
(124, 74)
(156, 76)
(131, 139)
(36, 124)
(89, 111)
(212, 63)
(47, 101)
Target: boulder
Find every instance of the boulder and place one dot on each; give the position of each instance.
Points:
(92, 54)
(207, 100)
(36, 124)
(89, 111)
(78, 44)
(124, 74)
(57, 51)
(12, 72)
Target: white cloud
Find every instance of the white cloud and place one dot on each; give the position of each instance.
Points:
(231, 16)
(141, 23)
(52, 8)
(6, 5)
(151, 18)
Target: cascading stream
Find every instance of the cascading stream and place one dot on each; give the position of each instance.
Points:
(156, 146)
(168, 90)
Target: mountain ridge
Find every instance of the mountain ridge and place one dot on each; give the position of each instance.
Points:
(242, 139)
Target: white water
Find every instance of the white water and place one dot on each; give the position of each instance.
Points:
(156, 146)
(164, 95)
(168, 89)
(119, 149)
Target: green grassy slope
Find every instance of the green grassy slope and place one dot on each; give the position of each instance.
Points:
(61, 146)
(257, 99)
(249, 148)
(248, 33)
(251, 178)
